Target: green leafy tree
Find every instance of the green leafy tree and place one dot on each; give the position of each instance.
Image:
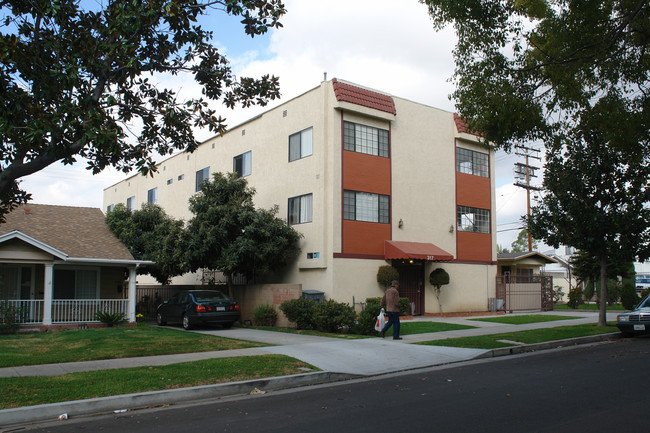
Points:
(438, 278)
(531, 69)
(386, 274)
(596, 200)
(575, 77)
(520, 244)
(150, 234)
(75, 79)
(227, 233)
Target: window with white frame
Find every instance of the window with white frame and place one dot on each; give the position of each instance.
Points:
(471, 219)
(365, 139)
(365, 206)
(110, 208)
(130, 203)
(301, 144)
(152, 196)
(202, 176)
(242, 164)
(472, 162)
(300, 209)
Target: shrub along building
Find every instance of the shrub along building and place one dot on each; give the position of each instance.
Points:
(368, 179)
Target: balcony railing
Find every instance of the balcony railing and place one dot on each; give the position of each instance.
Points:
(67, 310)
(84, 310)
(26, 310)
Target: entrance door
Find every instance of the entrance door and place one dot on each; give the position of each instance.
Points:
(411, 285)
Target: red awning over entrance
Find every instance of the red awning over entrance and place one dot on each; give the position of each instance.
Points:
(398, 250)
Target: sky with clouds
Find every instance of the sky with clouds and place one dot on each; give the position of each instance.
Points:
(383, 44)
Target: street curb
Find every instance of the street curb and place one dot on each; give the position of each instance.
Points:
(525, 348)
(127, 402)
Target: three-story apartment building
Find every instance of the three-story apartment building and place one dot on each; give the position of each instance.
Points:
(368, 179)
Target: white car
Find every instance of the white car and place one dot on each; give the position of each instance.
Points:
(636, 321)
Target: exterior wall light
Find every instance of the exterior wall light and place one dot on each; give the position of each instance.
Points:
(400, 224)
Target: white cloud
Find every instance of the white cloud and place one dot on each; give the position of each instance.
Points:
(387, 45)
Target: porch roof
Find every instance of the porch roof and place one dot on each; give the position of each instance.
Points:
(66, 232)
(526, 255)
(400, 250)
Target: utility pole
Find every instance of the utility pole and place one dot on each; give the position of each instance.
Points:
(525, 172)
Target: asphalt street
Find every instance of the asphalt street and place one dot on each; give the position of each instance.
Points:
(597, 388)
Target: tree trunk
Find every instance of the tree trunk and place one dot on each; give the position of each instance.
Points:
(229, 281)
(602, 314)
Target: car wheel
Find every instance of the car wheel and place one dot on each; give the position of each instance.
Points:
(160, 320)
(227, 325)
(186, 322)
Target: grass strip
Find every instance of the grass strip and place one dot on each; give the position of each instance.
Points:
(311, 332)
(525, 318)
(527, 337)
(410, 328)
(29, 391)
(589, 307)
(406, 328)
(107, 343)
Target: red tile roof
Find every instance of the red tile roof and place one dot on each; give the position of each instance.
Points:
(366, 98)
(462, 126)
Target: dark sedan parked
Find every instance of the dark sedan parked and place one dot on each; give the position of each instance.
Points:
(199, 307)
(636, 321)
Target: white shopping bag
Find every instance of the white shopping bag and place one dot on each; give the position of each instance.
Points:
(380, 322)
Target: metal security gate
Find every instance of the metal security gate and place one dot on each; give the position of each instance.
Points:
(524, 292)
(411, 284)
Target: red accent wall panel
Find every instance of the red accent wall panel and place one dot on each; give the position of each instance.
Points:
(364, 238)
(474, 246)
(473, 191)
(366, 173)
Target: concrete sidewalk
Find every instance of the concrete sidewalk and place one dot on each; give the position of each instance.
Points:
(337, 358)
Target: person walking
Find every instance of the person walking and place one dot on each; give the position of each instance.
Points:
(391, 301)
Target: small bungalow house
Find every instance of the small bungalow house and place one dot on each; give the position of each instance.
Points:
(520, 285)
(62, 264)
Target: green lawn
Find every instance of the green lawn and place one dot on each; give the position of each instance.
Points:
(311, 332)
(28, 391)
(589, 307)
(525, 318)
(406, 328)
(107, 343)
(527, 337)
(409, 328)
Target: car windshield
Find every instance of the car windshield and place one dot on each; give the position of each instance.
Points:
(645, 303)
(210, 297)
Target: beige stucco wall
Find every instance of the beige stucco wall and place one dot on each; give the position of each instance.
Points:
(423, 175)
(470, 286)
(252, 296)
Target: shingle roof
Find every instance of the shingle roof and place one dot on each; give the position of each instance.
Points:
(524, 255)
(366, 98)
(79, 232)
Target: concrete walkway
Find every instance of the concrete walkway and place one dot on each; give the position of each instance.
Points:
(357, 357)
(339, 359)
